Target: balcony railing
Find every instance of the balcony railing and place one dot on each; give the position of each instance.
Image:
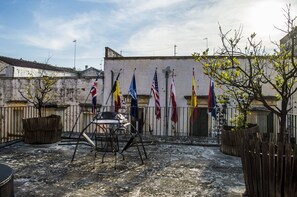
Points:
(75, 118)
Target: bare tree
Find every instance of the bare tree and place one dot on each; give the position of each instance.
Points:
(39, 90)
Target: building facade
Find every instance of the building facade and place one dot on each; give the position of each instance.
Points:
(72, 87)
(181, 68)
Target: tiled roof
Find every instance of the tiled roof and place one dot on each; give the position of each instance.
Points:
(34, 64)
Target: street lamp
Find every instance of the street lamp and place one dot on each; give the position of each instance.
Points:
(74, 52)
(175, 50)
(206, 42)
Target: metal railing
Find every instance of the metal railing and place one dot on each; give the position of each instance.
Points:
(75, 118)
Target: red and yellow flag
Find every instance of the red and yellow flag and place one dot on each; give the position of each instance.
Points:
(117, 96)
(194, 100)
(194, 123)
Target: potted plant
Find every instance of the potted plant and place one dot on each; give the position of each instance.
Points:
(231, 76)
(268, 167)
(39, 130)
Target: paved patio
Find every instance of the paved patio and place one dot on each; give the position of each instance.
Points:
(170, 170)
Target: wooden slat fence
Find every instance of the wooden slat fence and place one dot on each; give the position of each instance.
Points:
(270, 170)
(231, 141)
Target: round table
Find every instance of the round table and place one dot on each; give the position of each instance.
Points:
(6, 181)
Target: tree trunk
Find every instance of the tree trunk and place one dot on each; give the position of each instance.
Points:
(282, 129)
(283, 121)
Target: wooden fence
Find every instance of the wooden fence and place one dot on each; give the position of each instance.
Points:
(231, 141)
(270, 170)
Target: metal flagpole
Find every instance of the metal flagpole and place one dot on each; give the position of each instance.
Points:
(75, 123)
(148, 104)
(113, 87)
(136, 121)
(167, 71)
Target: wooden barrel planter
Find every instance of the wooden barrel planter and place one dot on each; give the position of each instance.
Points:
(42, 130)
(231, 141)
(269, 169)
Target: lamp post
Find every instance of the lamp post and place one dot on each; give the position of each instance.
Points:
(175, 50)
(206, 42)
(74, 53)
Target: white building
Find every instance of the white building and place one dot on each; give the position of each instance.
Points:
(10, 67)
(72, 87)
(144, 68)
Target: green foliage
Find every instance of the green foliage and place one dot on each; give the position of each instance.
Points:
(239, 121)
(245, 80)
(228, 72)
(39, 91)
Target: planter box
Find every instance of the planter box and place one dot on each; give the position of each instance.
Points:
(269, 169)
(231, 141)
(42, 130)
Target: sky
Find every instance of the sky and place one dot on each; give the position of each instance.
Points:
(45, 30)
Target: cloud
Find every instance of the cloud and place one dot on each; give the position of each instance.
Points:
(57, 33)
(197, 21)
(148, 27)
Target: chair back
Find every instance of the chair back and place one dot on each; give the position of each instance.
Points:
(107, 115)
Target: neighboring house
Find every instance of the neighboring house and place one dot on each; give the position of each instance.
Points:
(10, 67)
(183, 66)
(72, 87)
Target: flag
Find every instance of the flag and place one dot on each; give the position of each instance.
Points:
(194, 100)
(93, 92)
(155, 89)
(212, 100)
(117, 96)
(194, 124)
(174, 116)
(133, 94)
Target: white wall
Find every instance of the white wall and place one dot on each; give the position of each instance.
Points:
(70, 91)
(31, 72)
(145, 68)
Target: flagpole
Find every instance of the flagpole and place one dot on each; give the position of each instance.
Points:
(170, 94)
(148, 104)
(151, 87)
(75, 123)
(113, 87)
(167, 71)
(136, 120)
(170, 107)
(173, 106)
(192, 107)
(129, 91)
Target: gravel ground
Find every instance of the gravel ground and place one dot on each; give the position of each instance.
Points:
(170, 170)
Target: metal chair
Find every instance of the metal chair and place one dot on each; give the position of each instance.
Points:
(108, 140)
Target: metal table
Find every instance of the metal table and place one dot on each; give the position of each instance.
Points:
(111, 128)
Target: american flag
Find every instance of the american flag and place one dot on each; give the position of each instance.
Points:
(155, 89)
